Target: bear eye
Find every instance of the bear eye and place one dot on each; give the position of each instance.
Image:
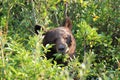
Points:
(55, 40)
(68, 40)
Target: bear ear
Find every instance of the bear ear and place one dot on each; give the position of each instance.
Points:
(37, 28)
(67, 23)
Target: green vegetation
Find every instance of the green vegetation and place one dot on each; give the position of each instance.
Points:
(96, 27)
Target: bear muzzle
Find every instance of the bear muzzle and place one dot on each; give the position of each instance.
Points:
(62, 48)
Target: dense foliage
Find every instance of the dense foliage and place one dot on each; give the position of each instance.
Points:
(96, 27)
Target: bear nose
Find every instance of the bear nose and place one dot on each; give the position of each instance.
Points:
(61, 48)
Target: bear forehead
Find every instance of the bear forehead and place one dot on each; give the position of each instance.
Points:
(60, 31)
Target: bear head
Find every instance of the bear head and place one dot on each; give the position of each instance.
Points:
(61, 37)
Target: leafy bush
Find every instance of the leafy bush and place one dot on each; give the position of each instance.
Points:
(96, 27)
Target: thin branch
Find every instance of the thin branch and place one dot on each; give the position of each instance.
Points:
(66, 9)
(34, 12)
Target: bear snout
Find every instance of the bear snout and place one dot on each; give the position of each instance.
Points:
(62, 48)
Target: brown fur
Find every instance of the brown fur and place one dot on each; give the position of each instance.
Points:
(62, 38)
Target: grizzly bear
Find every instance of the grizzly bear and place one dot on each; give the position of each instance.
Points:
(62, 38)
